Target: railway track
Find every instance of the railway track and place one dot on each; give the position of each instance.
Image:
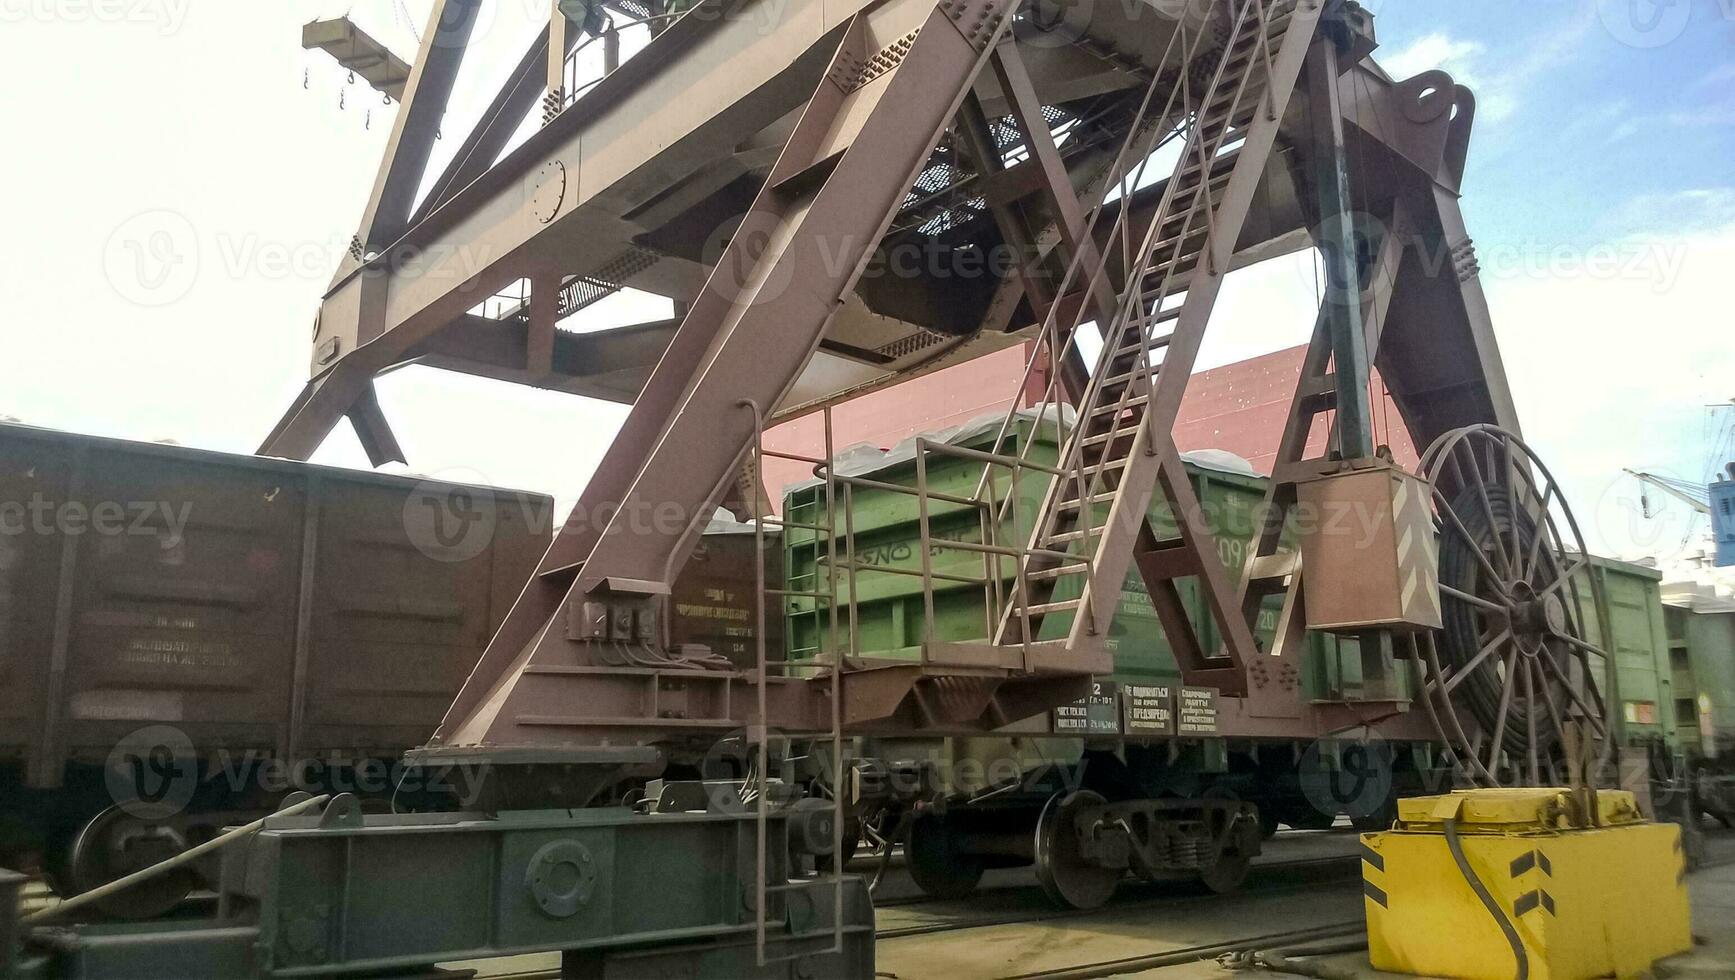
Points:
(1193, 954)
(1130, 898)
(865, 866)
(1116, 967)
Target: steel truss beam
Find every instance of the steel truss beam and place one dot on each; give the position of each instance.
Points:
(1147, 454)
(1426, 327)
(1153, 558)
(792, 261)
(829, 162)
(480, 231)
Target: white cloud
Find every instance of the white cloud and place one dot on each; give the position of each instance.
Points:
(1722, 114)
(1611, 371)
(1614, 119)
(1436, 50)
(1624, 130)
(1720, 75)
(1672, 214)
(1612, 350)
(1462, 60)
(1495, 79)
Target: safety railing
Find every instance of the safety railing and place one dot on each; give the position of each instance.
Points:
(573, 83)
(993, 552)
(764, 889)
(838, 568)
(1205, 117)
(1056, 343)
(1132, 319)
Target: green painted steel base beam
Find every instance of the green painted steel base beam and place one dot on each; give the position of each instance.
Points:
(615, 891)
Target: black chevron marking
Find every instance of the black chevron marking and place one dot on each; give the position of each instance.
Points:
(1374, 892)
(1373, 857)
(1531, 900)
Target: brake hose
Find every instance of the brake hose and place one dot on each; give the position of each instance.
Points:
(1488, 902)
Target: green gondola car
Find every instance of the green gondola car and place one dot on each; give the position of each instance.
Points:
(1672, 675)
(889, 607)
(1699, 621)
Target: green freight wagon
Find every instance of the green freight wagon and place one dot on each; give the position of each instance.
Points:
(1091, 742)
(1193, 785)
(1671, 692)
(1638, 686)
(1701, 637)
(1700, 625)
(885, 527)
(1673, 682)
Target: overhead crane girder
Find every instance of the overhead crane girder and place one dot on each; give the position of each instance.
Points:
(760, 172)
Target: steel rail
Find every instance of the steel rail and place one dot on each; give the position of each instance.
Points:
(1050, 915)
(1127, 902)
(1187, 955)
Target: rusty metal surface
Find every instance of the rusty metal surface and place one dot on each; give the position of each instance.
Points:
(840, 178)
(714, 604)
(144, 584)
(757, 173)
(654, 213)
(1368, 546)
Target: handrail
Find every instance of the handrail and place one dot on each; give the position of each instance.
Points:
(1204, 143)
(1205, 131)
(1075, 262)
(762, 886)
(1197, 139)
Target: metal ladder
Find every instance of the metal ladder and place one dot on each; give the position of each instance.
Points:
(1128, 407)
(824, 591)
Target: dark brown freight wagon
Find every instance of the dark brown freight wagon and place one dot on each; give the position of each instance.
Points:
(715, 602)
(186, 636)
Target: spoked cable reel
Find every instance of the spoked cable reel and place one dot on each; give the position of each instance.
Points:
(1513, 675)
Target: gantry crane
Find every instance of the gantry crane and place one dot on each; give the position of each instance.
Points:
(1688, 493)
(839, 195)
(762, 198)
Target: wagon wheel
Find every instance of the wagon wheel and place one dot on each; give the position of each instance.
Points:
(937, 859)
(114, 844)
(1068, 878)
(1512, 666)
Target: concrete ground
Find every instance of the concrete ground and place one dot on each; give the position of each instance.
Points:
(1115, 934)
(1145, 919)
(1711, 891)
(922, 939)
(1168, 921)
(927, 940)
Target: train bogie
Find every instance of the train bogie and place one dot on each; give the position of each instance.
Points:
(1123, 762)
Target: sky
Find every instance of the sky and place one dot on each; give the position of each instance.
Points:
(179, 186)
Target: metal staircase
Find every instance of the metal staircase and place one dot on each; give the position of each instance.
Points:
(1094, 510)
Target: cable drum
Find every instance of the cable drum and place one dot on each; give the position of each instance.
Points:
(1463, 633)
(1512, 668)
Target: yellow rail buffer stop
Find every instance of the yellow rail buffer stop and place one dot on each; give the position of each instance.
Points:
(1548, 884)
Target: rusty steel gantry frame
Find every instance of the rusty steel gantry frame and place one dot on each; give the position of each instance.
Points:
(772, 168)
